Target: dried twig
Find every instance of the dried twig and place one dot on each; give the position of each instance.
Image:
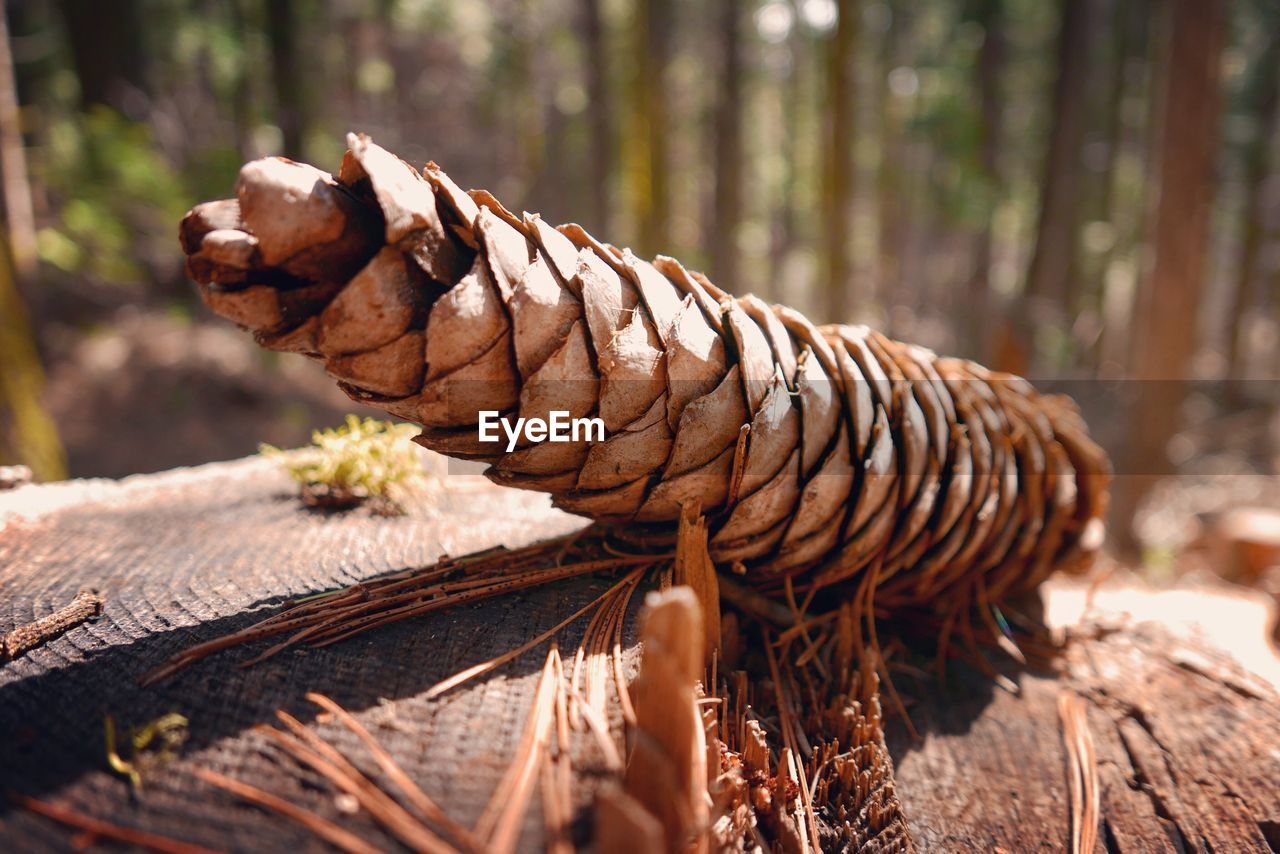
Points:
(86, 605)
(694, 568)
(667, 772)
(1082, 772)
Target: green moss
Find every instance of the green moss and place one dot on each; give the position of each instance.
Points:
(363, 459)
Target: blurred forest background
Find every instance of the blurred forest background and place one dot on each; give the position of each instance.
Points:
(1085, 191)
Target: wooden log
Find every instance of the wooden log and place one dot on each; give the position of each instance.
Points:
(1186, 744)
(1186, 740)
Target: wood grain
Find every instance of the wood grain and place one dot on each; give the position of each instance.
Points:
(1188, 752)
(1189, 747)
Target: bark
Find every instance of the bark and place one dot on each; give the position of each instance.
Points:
(1134, 139)
(34, 23)
(651, 190)
(1109, 78)
(107, 50)
(1260, 201)
(242, 113)
(1185, 742)
(283, 24)
(895, 50)
(599, 115)
(1165, 335)
(1153, 700)
(835, 450)
(1059, 208)
(989, 73)
(728, 155)
(798, 116)
(1046, 297)
(839, 142)
(27, 433)
(19, 216)
(523, 112)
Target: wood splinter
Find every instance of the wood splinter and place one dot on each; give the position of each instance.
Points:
(86, 605)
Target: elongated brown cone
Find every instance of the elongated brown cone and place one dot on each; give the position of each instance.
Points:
(826, 450)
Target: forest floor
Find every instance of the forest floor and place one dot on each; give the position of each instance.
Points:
(153, 390)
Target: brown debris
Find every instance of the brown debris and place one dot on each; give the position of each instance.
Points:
(799, 765)
(1082, 772)
(666, 772)
(694, 568)
(86, 605)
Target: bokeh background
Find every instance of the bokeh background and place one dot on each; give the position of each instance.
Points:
(1083, 190)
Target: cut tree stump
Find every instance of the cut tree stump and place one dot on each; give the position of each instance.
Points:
(1188, 743)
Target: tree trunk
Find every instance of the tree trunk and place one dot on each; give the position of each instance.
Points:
(837, 198)
(728, 150)
(989, 14)
(106, 41)
(27, 433)
(13, 169)
(1134, 140)
(599, 116)
(1114, 22)
(242, 113)
(1047, 285)
(895, 50)
(796, 94)
(651, 191)
(283, 23)
(1259, 200)
(1168, 306)
(1185, 741)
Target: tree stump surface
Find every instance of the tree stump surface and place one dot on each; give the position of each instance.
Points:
(1188, 743)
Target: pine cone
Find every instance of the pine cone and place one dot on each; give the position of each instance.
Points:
(825, 450)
